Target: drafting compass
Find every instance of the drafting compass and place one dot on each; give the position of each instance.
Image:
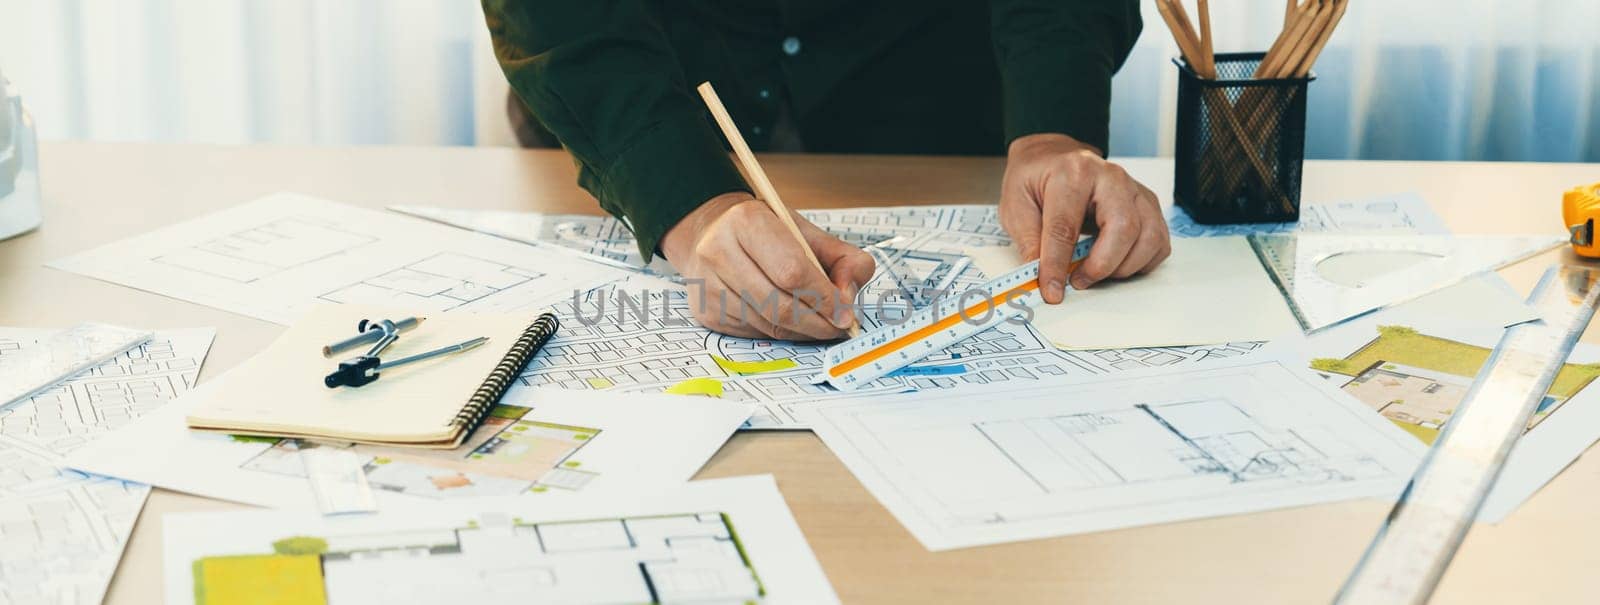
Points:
(364, 369)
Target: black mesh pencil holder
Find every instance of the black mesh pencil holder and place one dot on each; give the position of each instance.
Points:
(1240, 144)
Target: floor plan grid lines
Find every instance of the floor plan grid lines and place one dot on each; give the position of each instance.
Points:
(255, 253)
(1075, 454)
(440, 282)
(62, 531)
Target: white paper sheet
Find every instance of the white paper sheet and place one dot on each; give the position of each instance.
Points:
(61, 531)
(717, 541)
(540, 443)
(1410, 368)
(971, 467)
(1395, 213)
(1211, 289)
(274, 257)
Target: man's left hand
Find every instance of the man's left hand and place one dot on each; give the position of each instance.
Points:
(1053, 187)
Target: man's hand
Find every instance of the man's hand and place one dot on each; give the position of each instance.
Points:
(1054, 186)
(758, 282)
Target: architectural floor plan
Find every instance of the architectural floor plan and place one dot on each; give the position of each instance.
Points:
(274, 257)
(1414, 369)
(1079, 455)
(719, 541)
(507, 456)
(675, 558)
(543, 443)
(61, 531)
(606, 345)
(638, 334)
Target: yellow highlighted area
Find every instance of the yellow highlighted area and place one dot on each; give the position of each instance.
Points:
(259, 579)
(710, 387)
(752, 367)
(1422, 433)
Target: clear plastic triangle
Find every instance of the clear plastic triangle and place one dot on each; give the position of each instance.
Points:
(1327, 279)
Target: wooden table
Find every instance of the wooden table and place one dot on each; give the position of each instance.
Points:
(96, 193)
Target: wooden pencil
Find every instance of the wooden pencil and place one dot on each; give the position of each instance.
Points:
(1304, 69)
(1177, 21)
(1207, 48)
(1286, 38)
(1307, 38)
(758, 177)
(1197, 58)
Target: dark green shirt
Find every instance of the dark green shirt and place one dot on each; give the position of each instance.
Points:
(613, 80)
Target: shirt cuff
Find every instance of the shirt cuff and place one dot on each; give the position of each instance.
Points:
(1052, 94)
(670, 170)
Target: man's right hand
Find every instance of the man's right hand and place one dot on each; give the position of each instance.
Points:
(756, 279)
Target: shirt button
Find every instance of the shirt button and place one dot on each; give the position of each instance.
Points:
(791, 46)
(764, 93)
(756, 130)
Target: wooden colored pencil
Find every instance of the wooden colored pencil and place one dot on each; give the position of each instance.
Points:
(1297, 53)
(1286, 38)
(1189, 52)
(1177, 21)
(1207, 49)
(1304, 69)
(758, 177)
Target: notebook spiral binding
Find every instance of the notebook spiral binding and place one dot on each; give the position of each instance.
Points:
(510, 367)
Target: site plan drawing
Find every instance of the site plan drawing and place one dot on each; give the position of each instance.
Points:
(967, 468)
(543, 443)
(61, 531)
(1413, 369)
(638, 334)
(274, 257)
(715, 541)
(605, 345)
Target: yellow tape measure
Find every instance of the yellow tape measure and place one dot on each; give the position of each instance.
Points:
(1580, 207)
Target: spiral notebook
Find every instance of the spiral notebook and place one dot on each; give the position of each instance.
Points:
(435, 403)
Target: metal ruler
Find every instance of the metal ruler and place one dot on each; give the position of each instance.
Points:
(63, 355)
(1294, 260)
(956, 317)
(1423, 531)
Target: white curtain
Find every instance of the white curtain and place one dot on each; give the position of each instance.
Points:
(1406, 79)
(239, 71)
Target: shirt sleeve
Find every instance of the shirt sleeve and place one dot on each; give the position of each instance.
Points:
(1056, 60)
(602, 77)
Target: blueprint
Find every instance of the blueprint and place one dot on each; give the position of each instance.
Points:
(1414, 369)
(612, 347)
(972, 467)
(716, 541)
(637, 334)
(61, 531)
(538, 443)
(274, 257)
